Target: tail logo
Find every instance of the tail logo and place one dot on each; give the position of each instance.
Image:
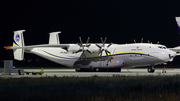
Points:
(17, 37)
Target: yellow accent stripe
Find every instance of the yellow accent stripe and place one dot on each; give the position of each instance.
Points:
(132, 52)
(52, 56)
(14, 44)
(124, 52)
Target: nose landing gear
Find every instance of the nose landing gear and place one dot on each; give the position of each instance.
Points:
(151, 69)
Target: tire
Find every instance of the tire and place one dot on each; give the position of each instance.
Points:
(33, 73)
(91, 69)
(78, 70)
(150, 70)
(120, 69)
(97, 69)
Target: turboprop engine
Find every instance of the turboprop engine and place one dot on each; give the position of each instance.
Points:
(73, 48)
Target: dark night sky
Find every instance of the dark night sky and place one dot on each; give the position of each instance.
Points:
(119, 21)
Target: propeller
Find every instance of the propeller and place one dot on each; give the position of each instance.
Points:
(84, 48)
(104, 48)
(141, 40)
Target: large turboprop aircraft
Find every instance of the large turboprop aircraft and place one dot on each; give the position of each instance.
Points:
(96, 57)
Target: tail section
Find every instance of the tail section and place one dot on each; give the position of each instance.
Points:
(178, 23)
(54, 38)
(18, 41)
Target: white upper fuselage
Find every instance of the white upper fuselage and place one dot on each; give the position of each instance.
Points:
(133, 55)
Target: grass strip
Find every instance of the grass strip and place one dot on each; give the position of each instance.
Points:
(117, 88)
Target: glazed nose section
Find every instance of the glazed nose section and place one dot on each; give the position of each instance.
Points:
(172, 55)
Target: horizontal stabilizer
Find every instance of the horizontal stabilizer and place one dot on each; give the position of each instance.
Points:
(175, 49)
(35, 46)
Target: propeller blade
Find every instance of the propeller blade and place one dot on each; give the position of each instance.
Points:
(109, 45)
(98, 46)
(80, 40)
(100, 55)
(78, 51)
(101, 40)
(88, 45)
(83, 55)
(89, 51)
(142, 40)
(87, 41)
(107, 54)
(79, 44)
(105, 40)
(101, 51)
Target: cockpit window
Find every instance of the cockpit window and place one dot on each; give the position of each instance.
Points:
(162, 47)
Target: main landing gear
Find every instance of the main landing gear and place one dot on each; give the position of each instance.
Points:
(151, 69)
(98, 69)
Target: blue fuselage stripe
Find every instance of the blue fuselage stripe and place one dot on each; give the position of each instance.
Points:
(15, 42)
(99, 56)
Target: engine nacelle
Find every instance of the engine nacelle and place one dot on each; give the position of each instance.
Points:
(73, 48)
(76, 47)
(93, 48)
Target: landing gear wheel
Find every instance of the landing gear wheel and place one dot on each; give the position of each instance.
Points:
(97, 69)
(91, 69)
(119, 69)
(78, 70)
(150, 70)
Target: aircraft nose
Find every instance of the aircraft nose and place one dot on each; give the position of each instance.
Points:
(172, 55)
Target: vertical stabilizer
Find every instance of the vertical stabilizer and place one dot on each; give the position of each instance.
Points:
(54, 38)
(18, 41)
(178, 23)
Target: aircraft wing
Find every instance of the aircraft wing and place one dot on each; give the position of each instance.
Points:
(176, 49)
(34, 46)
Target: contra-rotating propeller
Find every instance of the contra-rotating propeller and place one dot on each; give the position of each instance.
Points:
(104, 48)
(83, 48)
